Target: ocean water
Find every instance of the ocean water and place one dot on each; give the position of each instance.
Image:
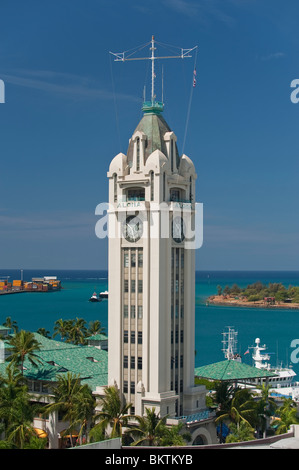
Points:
(275, 328)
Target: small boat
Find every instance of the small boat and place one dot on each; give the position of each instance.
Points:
(94, 298)
(104, 295)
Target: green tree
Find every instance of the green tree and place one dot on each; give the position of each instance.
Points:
(222, 398)
(84, 406)
(24, 346)
(287, 415)
(44, 332)
(16, 410)
(173, 436)
(78, 331)
(265, 407)
(113, 414)
(241, 409)
(150, 429)
(62, 328)
(95, 327)
(9, 323)
(73, 400)
(240, 433)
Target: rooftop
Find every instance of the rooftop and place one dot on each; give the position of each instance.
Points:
(58, 357)
(230, 370)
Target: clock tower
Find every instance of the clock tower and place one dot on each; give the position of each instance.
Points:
(152, 272)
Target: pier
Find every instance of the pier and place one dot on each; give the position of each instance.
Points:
(40, 284)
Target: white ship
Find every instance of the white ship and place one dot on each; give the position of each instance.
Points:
(281, 385)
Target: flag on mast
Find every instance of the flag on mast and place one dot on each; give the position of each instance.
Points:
(194, 77)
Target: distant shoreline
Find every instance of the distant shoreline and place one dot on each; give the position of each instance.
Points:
(230, 302)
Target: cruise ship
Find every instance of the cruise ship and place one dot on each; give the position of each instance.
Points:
(283, 384)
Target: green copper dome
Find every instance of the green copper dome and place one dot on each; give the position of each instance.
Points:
(154, 126)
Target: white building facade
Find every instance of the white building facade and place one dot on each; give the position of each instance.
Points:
(152, 272)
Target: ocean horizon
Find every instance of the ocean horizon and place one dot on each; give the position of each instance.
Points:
(276, 328)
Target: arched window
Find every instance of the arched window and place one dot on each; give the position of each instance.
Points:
(138, 154)
(171, 153)
(152, 185)
(190, 190)
(115, 187)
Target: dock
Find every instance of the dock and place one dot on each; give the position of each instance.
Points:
(38, 284)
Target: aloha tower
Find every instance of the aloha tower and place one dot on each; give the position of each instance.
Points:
(151, 312)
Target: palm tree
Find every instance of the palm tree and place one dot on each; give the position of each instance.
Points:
(78, 331)
(61, 327)
(265, 407)
(95, 327)
(24, 346)
(44, 332)
(113, 413)
(9, 323)
(240, 433)
(73, 400)
(150, 429)
(84, 406)
(16, 410)
(241, 409)
(173, 436)
(287, 416)
(223, 396)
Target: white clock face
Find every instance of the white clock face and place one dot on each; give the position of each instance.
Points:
(178, 229)
(133, 228)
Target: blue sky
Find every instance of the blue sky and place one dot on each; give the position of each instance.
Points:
(70, 109)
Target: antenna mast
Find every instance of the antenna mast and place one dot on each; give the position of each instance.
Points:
(153, 105)
(230, 343)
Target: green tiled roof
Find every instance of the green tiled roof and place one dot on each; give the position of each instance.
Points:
(231, 370)
(57, 357)
(98, 337)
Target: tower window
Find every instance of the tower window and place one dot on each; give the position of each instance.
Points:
(115, 187)
(133, 284)
(133, 310)
(132, 362)
(126, 336)
(140, 286)
(125, 362)
(152, 185)
(138, 154)
(132, 388)
(136, 194)
(139, 363)
(125, 386)
(126, 310)
(140, 312)
(126, 259)
(175, 195)
(126, 285)
(132, 337)
(140, 259)
(139, 337)
(171, 154)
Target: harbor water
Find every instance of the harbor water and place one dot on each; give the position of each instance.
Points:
(276, 328)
